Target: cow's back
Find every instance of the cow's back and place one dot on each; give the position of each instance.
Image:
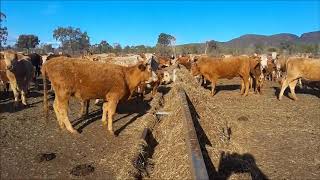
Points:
(225, 68)
(307, 68)
(86, 79)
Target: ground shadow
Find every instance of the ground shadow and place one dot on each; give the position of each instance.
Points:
(203, 140)
(238, 163)
(9, 106)
(34, 94)
(90, 118)
(164, 89)
(132, 106)
(219, 88)
(298, 90)
(229, 163)
(6, 96)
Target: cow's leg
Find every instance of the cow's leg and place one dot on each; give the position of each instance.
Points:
(292, 86)
(62, 105)
(251, 82)
(213, 86)
(155, 88)
(246, 83)
(23, 96)
(56, 110)
(84, 108)
(260, 84)
(256, 85)
(13, 86)
(284, 85)
(112, 106)
(242, 87)
(104, 113)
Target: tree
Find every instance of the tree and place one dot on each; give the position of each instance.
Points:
(27, 41)
(286, 46)
(47, 48)
(72, 39)
(3, 31)
(117, 48)
(105, 47)
(211, 46)
(127, 49)
(272, 49)
(164, 41)
(258, 48)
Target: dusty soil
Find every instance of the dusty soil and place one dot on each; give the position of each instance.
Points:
(282, 137)
(257, 136)
(26, 134)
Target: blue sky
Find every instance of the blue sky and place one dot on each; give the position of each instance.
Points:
(140, 22)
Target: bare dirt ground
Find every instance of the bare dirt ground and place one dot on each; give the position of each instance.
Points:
(26, 134)
(262, 136)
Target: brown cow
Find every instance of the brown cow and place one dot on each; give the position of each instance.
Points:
(213, 69)
(20, 73)
(91, 80)
(308, 69)
(185, 61)
(256, 75)
(4, 81)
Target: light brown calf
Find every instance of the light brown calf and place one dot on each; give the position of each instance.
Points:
(308, 69)
(91, 80)
(214, 69)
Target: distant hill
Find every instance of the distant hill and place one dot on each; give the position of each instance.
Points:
(311, 37)
(251, 40)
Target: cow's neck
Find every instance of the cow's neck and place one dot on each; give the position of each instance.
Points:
(131, 80)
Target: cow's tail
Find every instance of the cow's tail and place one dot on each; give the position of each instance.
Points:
(45, 91)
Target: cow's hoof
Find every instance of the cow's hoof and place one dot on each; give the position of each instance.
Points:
(111, 133)
(75, 132)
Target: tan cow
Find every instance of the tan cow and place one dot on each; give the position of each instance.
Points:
(214, 69)
(91, 80)
(308, 69)
(4, 81)
(20, 72)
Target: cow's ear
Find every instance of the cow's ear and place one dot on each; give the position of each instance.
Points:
(142, 67)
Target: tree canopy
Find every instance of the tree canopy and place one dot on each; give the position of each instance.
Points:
(26, 41)
(3, 30)
(72, 39)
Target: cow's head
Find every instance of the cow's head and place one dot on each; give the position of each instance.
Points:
(10, 58)
(143, 71)
(195, 71)
(166, 78)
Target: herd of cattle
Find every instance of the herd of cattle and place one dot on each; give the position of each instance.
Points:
(113, 79)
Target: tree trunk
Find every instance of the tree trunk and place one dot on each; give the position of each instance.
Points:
(205, 50)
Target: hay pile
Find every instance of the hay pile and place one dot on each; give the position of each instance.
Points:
(170, 157)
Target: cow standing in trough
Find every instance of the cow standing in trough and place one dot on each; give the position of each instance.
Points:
(308, 69)
(214, 69)
(20, 73)
(91, 80)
